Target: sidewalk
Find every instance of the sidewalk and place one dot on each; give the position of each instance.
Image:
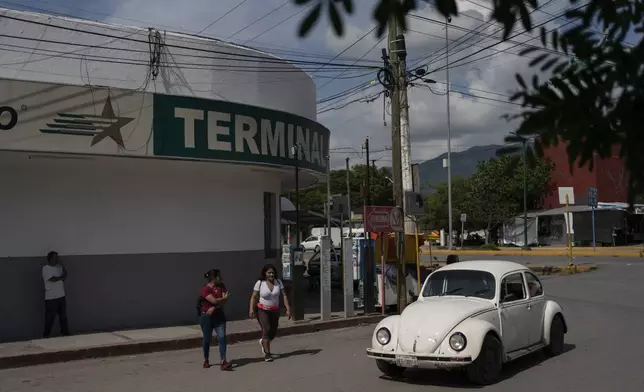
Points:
(545, 251)
(107, 344)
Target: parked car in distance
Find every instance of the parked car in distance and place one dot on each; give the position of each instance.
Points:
(313, 268)
(475, 315)
(311, 243)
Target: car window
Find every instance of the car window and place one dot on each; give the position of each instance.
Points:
(512, 288)
(535, 288)
(467, 283)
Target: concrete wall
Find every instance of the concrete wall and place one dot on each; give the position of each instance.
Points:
(137, 236)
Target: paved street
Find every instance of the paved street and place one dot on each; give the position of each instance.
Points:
(605, 314)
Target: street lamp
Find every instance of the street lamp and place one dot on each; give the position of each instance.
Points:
(524, 142)
(449, 136)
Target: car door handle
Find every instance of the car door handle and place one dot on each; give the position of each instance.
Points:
(529, 306)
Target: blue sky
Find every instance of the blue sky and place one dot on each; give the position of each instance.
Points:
(486, 83)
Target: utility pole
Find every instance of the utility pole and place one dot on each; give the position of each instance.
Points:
(397, 52)
(405, 137)
(349, 196)
(328, 197)
(369, 278)
(449, 141)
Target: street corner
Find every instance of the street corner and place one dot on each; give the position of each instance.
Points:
(563, 270)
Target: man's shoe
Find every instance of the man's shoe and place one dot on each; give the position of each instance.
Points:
(225, 365)
(206, 364)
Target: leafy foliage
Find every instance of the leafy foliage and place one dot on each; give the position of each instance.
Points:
(436, 205)
(592, 102)
(493, 194)
(381, 190)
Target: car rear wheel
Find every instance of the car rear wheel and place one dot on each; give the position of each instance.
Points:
(389, 369)
(557, 332)
(486, 369)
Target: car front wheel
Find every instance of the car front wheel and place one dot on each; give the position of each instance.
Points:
(389, 369)
(486, 369)
(557, 332)
(317, 248)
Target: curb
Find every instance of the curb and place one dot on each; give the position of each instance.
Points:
(536, 253)
(147, 347)
(563, 270)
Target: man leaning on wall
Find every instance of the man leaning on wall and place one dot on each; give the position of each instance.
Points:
(54, 274)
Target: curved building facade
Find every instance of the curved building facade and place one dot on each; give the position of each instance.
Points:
(144, 158)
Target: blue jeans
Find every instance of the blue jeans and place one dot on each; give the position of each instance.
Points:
(208, 325)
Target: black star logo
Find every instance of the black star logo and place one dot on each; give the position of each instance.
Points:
(113, 130)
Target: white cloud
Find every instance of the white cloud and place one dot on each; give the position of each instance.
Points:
(474, 120)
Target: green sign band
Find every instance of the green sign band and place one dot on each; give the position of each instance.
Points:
(207, 129)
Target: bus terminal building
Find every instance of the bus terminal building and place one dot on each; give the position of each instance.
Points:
(142, 174)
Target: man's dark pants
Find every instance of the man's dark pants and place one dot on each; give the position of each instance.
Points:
(55, 307)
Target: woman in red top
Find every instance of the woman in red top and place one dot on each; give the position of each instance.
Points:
(212, 318)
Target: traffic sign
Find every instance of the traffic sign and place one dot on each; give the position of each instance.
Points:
(463, 218)
(415, 203)
(383, 219)
(592, 197)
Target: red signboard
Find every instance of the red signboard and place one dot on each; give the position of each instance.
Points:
(383, 219)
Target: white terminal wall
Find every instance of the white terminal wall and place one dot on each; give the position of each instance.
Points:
(278, 86)
(108, 205)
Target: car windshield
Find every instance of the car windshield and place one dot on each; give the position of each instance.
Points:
(467, 283)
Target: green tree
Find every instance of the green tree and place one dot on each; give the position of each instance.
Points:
(381, 189)
(496, 190)
(592, 103)
(436, 205)
(492, 199)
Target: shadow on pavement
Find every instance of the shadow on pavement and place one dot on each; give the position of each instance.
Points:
(457, 378)
(276, 357)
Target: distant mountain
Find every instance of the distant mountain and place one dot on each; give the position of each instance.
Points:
(464, 163)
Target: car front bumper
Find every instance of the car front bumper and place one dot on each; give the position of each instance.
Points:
(421, 361)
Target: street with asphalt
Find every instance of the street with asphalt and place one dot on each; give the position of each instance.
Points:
(604, 310)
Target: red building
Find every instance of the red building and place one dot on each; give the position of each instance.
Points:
(609, 176)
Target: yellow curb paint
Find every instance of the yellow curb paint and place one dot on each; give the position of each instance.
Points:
(632, 254)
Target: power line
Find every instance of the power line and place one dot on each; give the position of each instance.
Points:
(290, 51)
(350, 46)
(363, 56)
(257, 20)
(277, 24)
(197, 66)
(489, 23)
(221, 17)
(498, 43)
(256, 58)
(490, 55)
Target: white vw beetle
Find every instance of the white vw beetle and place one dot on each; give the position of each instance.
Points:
(474, 315)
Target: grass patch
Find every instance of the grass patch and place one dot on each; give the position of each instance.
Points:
(489, 247)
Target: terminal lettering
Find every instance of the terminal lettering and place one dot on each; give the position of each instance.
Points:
(239, 133)
(13, 118)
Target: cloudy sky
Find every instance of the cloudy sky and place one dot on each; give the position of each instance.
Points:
(481, 83)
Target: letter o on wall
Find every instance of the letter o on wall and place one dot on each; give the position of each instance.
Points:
(13, 118)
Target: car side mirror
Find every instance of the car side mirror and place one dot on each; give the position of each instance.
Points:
(509, 298)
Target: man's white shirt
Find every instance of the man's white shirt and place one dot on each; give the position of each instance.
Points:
(53, 290)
